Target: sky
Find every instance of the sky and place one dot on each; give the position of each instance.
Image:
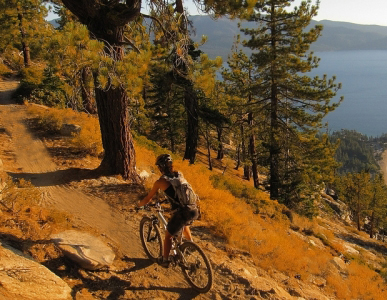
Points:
(369, 12)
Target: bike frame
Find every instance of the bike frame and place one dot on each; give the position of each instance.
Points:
(176, 239)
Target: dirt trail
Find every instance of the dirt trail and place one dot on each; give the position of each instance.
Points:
(36, 165)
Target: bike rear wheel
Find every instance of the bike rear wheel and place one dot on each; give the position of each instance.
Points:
(196, 267)
(151, 240)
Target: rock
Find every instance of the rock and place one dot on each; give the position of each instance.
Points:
(70, 129)
(350, 250)
(144, 175)
(331, 193)
(339, 207)
(319, 281)
(86, 250)
(256, 285)
(339, 263)
(21, 277)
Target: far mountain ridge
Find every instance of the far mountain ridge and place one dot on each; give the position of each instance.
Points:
(336, 35)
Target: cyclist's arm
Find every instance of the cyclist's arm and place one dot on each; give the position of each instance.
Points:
(148, 197)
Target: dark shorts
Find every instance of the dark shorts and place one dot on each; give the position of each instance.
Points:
(181, 218)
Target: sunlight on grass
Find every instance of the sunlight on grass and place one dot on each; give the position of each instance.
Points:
(52, 119)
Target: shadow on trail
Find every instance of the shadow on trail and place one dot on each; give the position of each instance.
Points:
(6, 96)
(58, 177)
(139, 263)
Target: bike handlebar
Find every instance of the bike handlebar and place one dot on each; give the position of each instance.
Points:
(147, 206)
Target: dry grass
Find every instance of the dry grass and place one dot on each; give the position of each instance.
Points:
(27, 226)
(88, 140)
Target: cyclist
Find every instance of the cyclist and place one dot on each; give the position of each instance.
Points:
(182, 216)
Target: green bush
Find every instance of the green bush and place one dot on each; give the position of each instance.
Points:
(51, 98)
(4, 70)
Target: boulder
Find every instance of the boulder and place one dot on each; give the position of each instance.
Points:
(85, 249)
(144, 175)
(331, 193)
(70, 129)
(255, 284)
(21, 277)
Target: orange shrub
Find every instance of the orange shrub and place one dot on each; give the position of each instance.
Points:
(52, 119)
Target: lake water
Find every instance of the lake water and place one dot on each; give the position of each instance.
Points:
(363, 75)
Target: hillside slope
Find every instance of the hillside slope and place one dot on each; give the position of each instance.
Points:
(102, 205)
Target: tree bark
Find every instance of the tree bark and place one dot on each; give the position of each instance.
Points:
(238, 158)
(220, 143)
(358, 211)
(87, 91)
(192, 135)
(117, 139)
(246, 169)
(208, 150)
(254, 165)
(372, 221)
(25, 46)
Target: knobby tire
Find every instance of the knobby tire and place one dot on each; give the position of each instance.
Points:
(151, 239)
(196, 267)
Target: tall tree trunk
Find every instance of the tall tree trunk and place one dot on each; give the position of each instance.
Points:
(113, 113)
(117, 139)
(190, 99)
(192, 135)
(252, 151)
(207, 136)
(274, 148)
(179, 6)
(358, 211)
(220, 143)
(87, 91)
(372, 221)
(246, 169)
(238, 158)
(171, 137)
(25, 46)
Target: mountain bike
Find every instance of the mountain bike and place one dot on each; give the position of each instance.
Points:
(187, 255)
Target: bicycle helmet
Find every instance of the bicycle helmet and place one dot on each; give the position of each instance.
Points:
(164, 160)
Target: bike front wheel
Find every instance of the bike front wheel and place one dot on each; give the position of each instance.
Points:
(196, 267)
(151, 240)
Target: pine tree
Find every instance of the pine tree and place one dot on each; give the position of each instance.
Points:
(241, 81)
(118, 73)
(23, 26)
(378, 205)
(355, 190)
(291, 101)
